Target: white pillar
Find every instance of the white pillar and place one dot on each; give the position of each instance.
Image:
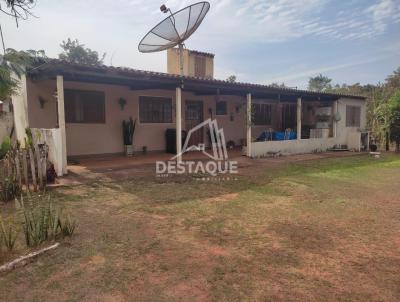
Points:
(335, 110)
(178, 122)
(248, 122)
(61, 122)
(299, 118)
(20, 108)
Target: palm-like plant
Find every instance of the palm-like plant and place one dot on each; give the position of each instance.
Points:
(16, 62)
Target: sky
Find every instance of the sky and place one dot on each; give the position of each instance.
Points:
(259, 41)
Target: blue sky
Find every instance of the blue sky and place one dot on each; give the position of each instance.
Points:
(260, 41)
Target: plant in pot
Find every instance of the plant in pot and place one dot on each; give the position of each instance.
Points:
(128, 129)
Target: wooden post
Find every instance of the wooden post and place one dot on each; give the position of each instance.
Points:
(33, 169)
(18, 167)
(299, 118)
(25, 168)
(178, 122)
(61, 121)
(248, 122)
(39, 165)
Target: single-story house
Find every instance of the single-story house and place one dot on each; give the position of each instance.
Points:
(82, 108)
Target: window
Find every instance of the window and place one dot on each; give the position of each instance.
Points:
(353, 116)
(84, 106)
(155, 109)
(262, 114)
(221, 108)
(200, 66)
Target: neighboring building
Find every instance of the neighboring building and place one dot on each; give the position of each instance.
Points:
(80, 103)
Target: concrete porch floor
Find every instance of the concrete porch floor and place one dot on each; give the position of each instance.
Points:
(114, 168)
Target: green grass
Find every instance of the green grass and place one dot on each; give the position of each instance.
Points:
(316, 230)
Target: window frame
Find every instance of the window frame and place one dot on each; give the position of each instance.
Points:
(143, 120)
(353, 116)
(84, 120)
(216, 108)
(268, 121)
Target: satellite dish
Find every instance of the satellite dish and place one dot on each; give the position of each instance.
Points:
(174, 29)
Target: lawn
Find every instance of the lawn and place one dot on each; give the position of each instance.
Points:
(314, 230)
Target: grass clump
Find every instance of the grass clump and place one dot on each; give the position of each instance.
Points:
(8, 235)
(43, 221)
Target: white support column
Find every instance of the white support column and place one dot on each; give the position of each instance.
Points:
(248, 125)
(20, 108)
(178, 122)
(335, 110)
(299, 118)
(61, 121)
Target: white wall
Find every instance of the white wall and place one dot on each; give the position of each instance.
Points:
(52, 138)
(6, 121)
(20, 109)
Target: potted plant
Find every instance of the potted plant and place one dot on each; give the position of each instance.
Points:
(128, 129)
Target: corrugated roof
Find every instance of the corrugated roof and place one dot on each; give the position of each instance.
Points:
(126, 71)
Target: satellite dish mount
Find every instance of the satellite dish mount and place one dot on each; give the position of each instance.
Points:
(174, 29)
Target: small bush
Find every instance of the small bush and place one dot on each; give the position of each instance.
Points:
(8, 235)
(67, 226)
(42, 221)
(5, 146)
(9, 189)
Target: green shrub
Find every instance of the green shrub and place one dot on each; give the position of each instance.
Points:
(42, 221)
(9, 189)
(5, 146)
(8, 235)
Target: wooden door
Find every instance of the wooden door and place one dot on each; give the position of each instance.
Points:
(193, 117)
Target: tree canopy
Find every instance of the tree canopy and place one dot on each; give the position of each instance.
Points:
(231, 78)
(277, 85)
(394, 118)
(75, 52)
(16, 62)
(319, 83)
(18, 9)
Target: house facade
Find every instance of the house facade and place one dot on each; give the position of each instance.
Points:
(80, 109)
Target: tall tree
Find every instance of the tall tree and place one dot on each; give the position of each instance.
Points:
(319, 83)
(231, 79)
(75, 52)
(18, 9)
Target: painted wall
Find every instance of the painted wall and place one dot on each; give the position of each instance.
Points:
(90, 139)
